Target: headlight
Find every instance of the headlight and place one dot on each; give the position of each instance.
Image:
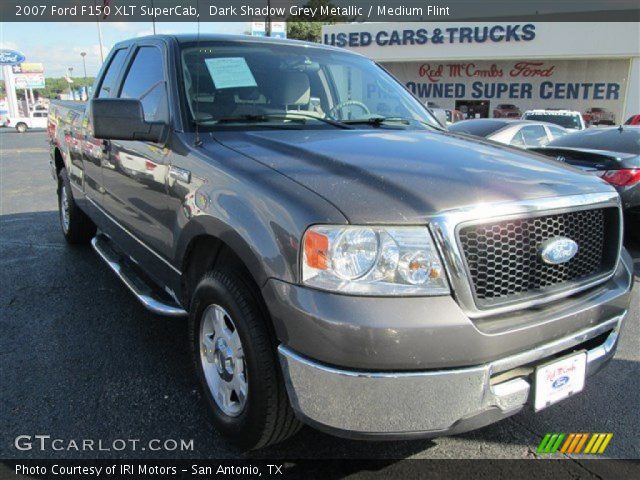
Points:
(372, 260)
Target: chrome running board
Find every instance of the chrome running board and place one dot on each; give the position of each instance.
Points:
(150, 296)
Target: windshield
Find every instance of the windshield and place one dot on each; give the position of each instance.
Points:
(566, 121)
(284, 86)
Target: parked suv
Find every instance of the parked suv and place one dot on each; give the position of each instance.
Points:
(506, 110)
(373, 276)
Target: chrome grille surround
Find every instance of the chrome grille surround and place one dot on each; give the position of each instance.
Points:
(446, 225)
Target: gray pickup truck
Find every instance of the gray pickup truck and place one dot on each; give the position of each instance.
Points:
(343, 260)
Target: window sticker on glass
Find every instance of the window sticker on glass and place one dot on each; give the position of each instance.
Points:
(230, 72)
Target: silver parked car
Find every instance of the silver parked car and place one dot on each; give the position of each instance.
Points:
(518, 133)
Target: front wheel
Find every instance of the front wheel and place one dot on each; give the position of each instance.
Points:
(236, 363)
(21, 127)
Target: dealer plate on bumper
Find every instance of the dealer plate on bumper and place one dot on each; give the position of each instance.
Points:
(559, 379)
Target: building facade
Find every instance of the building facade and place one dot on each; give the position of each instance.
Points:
(481, 68)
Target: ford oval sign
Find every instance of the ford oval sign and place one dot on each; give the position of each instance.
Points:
(558, 250)
(11, 57)
(560, 382)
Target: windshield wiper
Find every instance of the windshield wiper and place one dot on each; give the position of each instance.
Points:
(300, 114)
(297, 117)
(247, 118)
(378, 120)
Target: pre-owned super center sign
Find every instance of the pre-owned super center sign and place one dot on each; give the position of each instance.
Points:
(572, 84)
(508, 80)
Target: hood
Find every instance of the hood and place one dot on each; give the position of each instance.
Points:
(401, 176)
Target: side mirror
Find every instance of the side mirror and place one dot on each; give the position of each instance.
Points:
(123, 119)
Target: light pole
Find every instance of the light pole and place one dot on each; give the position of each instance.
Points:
(84, 65)
(70, 81)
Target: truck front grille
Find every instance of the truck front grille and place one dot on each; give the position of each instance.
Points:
(504, 263)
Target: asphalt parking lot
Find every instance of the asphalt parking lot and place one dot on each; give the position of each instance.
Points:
(80, 358)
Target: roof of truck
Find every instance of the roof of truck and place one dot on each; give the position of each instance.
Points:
(221, 37)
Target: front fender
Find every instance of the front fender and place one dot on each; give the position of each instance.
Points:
(256, 211)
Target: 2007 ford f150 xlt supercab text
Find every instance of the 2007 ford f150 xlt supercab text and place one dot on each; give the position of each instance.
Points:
(343, 260)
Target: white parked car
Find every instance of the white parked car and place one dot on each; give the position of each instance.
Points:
(38, 119)
(518, 133)
(571, 120)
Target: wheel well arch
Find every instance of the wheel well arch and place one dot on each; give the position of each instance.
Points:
(206, 252)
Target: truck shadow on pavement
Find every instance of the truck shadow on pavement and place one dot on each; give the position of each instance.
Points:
(81, 358)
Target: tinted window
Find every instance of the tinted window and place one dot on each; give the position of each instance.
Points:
(479, 128)
(534, 135)
(626, 140)
(145, 81)
(111, 75)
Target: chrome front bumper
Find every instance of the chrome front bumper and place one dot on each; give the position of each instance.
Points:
(429, 403)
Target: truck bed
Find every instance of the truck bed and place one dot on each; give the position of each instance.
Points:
(70, 104)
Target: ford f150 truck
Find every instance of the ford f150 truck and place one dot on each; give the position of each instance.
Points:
(342, 260)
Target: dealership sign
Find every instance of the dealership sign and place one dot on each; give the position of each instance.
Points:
(28, 68)
(29, 80)
(528, 84)
(436, 36)
(505, 81)
(11, 57)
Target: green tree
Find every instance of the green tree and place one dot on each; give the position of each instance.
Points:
(309, 28)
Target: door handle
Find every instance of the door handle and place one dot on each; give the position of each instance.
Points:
(180, 174)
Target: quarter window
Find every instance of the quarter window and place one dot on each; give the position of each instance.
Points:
(145, 81)
(557, 132)
(111, 75)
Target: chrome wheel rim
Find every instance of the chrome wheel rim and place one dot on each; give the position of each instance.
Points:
(64, 208)
(222, 360)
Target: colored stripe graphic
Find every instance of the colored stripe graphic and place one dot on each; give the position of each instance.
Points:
(598, 443)
(574, 442)
(582, 442)
(550, 443)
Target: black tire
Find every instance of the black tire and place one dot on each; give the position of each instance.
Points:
(632, 227)
(80, 229)
(21, 127)
(267, 417)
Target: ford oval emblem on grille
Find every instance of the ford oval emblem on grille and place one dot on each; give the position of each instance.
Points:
(557, 250)
(560, 382)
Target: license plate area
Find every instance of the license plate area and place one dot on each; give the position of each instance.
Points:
(559, 379)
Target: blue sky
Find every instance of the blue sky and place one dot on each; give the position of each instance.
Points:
(58, 45)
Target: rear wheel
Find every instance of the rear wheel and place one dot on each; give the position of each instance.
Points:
(21, 127)
(76, 226)
(236, 363)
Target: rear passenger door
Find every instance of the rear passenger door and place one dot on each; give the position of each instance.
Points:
(95, 151)
(136, 172)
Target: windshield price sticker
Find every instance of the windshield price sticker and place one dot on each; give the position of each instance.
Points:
(230, 72)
